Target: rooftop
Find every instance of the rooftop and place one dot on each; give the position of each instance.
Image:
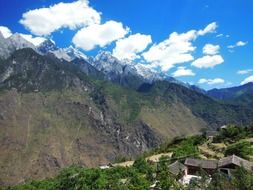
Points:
(176, 167)
(205, 164)
(213, 164)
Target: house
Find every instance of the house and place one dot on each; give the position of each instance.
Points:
(177, 168)
(230, 163)
(225, 165)
(195, 165)
(189, 171)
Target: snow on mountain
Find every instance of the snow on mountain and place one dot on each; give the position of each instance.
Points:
(19, 42)
(113, 68)
(68, 54)
(47, 46)
(106, 63)
(13, 43)
(148, 73)
(109, 64)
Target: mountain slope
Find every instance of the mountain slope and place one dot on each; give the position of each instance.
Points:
(53, 115)
(231, 93)
(245, 99)
(211, 111)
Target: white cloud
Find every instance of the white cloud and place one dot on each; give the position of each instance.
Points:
(222, 35)
(208, 61)
(244, 72)
(210, 49)
(219, 35)
(129, 47)
(241, 43)
(247, 80)
(5, 31)
(34, 40)
(211, 81)
(178, 48)
(99, 35)
(238, 44)
(73, 15)
(182, 71)
(210, 28)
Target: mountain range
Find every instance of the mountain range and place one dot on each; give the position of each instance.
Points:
(59, 107)
(233, 93)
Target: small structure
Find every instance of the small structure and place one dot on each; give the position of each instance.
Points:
(187, 179)
(103, 167)
(192, 166)
(223, 127)
(231, 162)
(177, 168)
(210, 166)
(211, 134)
(195, 165)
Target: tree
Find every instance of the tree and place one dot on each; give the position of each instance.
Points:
(242, 149)
(243, 179)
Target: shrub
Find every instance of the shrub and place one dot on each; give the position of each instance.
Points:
(242, 149)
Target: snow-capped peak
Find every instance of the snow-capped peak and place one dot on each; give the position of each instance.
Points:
(147, 72)
(46, 46)
(109, 64)
(19, 42)
(105, 56)
(69, 54)
(75, 53)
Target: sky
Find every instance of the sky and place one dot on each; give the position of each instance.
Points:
(203, 42)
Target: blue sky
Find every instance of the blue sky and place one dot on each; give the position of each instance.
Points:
(162, 35)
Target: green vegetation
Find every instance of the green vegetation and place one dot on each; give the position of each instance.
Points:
(128, 101)
(241, 180)
(181, 147)
(143, 174)
(119, 178)
(76, 178)
(187, 147)
(242, 149)
(234, 133)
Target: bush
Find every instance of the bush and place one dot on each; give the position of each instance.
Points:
(241, 149)
(141, 165)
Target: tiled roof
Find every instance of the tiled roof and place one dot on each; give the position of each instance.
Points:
(205, 164)
(213, 164)
(176, 167)
(236, 161)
